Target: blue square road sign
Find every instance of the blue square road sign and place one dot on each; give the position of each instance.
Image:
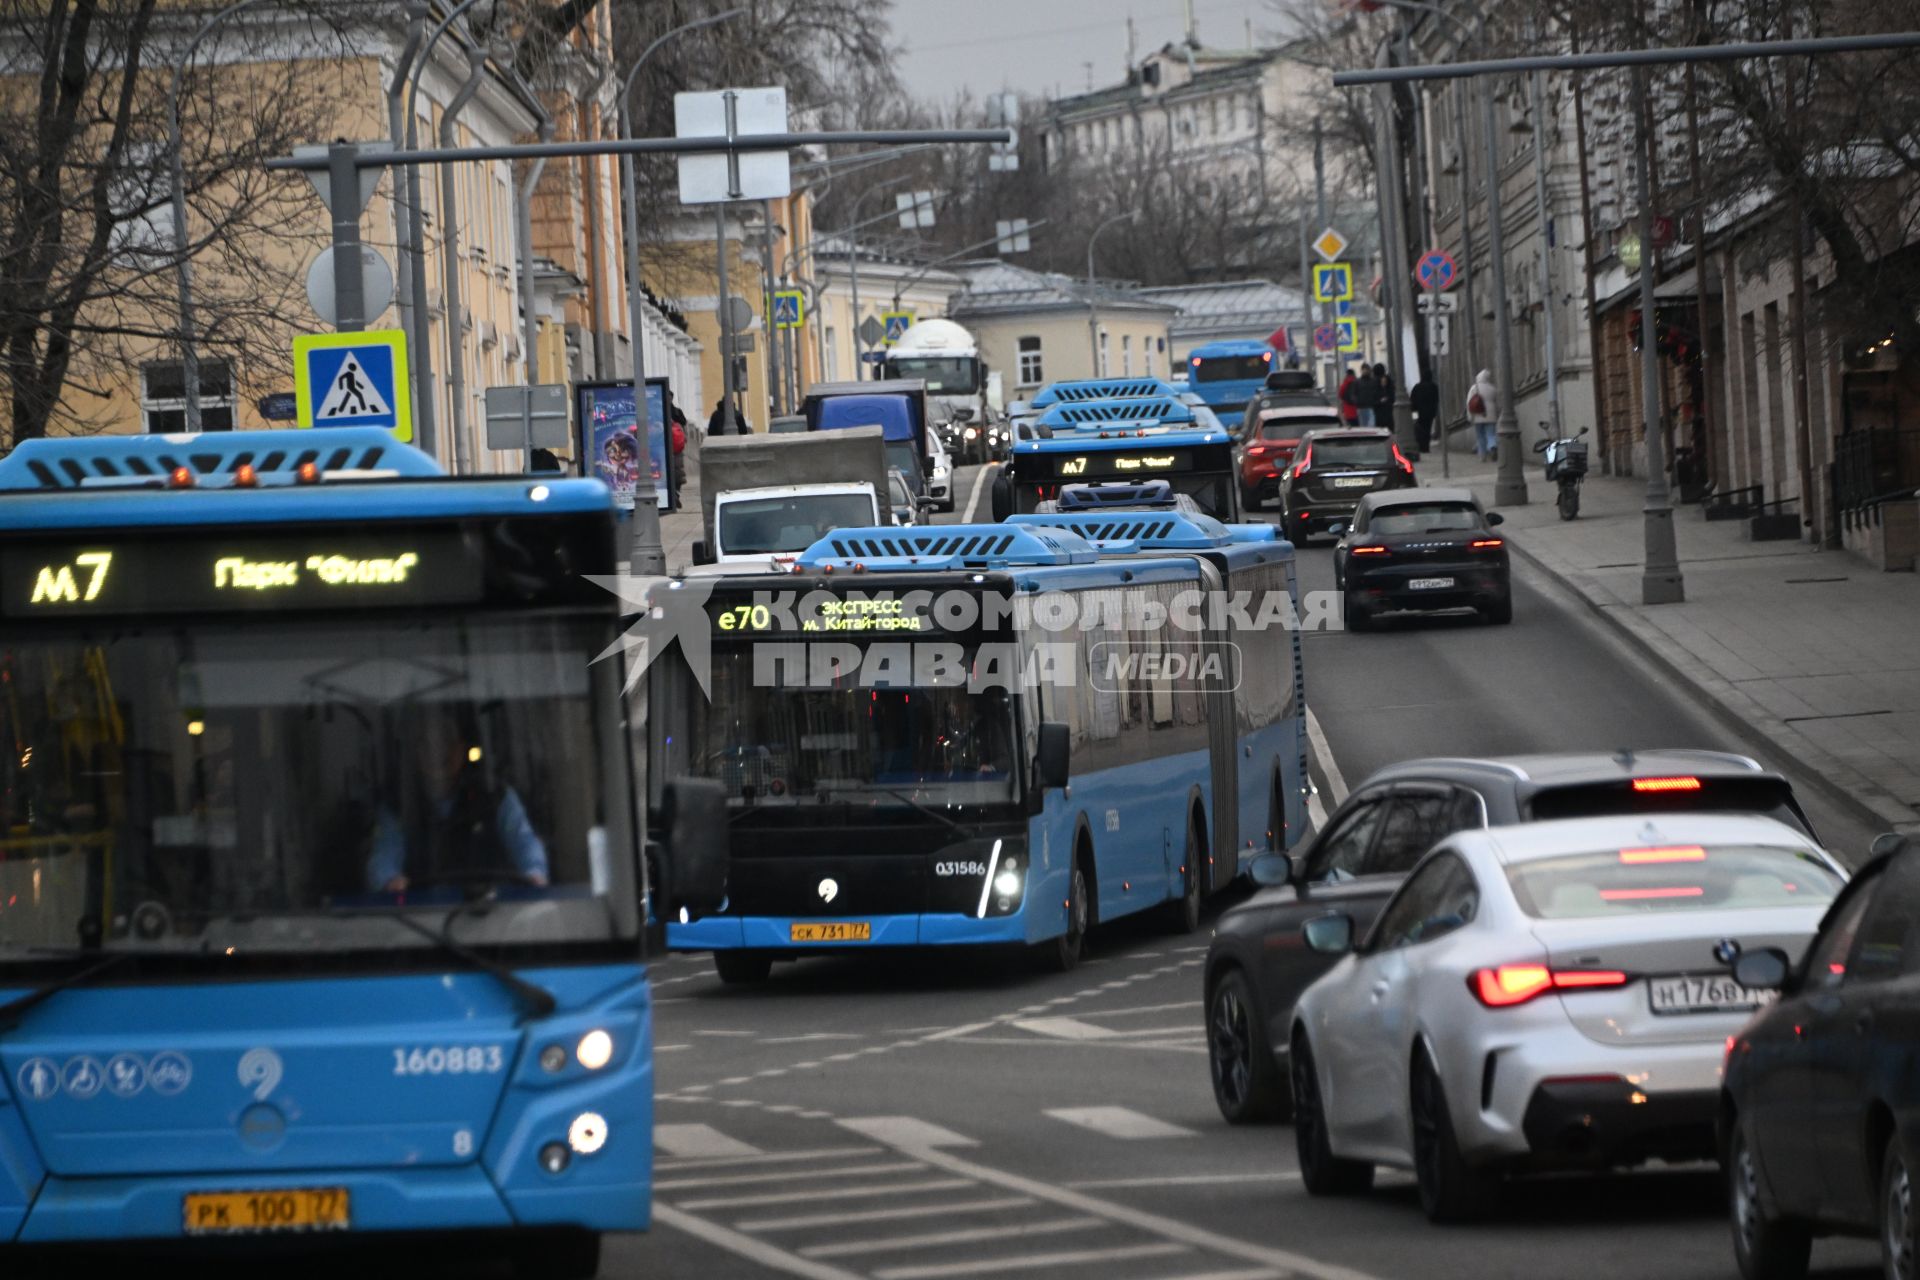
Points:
(353, 380)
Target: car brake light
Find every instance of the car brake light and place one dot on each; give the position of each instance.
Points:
(1306, 460)
(1256, 450)
(1512, 984)
(1674, 853)
(1401, 458)
(1486, 544)
(1367, 551)
(1666, 784)
(1648, 895)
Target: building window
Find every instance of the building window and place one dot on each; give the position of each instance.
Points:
(1126, 355)
(1031, 374)
(163, 396)
(1105, 363)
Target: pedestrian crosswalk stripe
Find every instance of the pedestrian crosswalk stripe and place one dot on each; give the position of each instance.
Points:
(1063, 1028)
(691, 1140)
(749, 1179)
(836, 1193)
(1119, 1122)
(351, 395)
(906, 1132)
(945, 1209)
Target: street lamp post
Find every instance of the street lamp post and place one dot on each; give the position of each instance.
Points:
(646, 554)
(1660, 581)
(1093, 305)
(1399, 409)
(182, 264)
(1510, 487)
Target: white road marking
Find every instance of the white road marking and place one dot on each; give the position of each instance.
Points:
(838, 1193)
(1063, 1028)
(749, 1179)
(1157, 1224)
(1190, 1180)
(905, 1131)
(813, 1035)
(778, 1157)
(1118, 1042)
(975, 1235)
(1184, 1005)
(944, 1209)
(747, 1247)
(969, 512)
(699, 1140)
(670, 1048)
(1317, 738)
(1030, 1262)
(1257, 1273)
(969, 1029)
(723, 1033)
(1119, 1122)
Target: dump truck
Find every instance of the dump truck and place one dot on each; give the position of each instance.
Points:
(829, 480)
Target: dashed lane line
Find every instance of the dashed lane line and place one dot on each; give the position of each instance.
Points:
(1030, 1262)
(935, 1239)
(902, 1132)
(1323, 751)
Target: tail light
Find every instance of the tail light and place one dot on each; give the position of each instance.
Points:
(1367, 551)
(1256, 450)
(1512, 984)
(1401, 459)
(1306, 460)
(1486, 544)
(1666, 784)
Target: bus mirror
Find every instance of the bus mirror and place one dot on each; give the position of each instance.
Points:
(693, 814)
(1056, 753)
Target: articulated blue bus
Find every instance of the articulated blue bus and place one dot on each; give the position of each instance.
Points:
(1228, 374)
(321, 906)
(1152, 437)
(991, 735)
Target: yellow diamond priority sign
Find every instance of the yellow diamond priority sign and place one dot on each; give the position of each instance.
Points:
(1330, 245)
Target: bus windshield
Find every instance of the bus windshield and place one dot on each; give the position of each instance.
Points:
(221, 787)
(775, 743)
(944, 375)
(1231, 368)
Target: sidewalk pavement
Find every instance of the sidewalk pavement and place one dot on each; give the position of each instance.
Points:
(1813, 649)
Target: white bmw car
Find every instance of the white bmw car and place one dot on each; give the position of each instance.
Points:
(1550, 996)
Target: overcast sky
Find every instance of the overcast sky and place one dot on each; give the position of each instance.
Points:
(1043, 46)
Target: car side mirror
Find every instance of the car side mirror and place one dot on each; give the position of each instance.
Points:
(1329, 935)
(1272, 870)
(1056, 754)
(1763, 970)
(1888, 844)
(1337, 530)
(693, 814)
(1494, 517)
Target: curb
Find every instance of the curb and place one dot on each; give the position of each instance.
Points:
(1842, 784)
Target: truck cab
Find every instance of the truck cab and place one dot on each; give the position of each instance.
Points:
(962, 395)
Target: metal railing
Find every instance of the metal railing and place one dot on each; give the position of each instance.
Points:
(1872, 465)
(1733, 504)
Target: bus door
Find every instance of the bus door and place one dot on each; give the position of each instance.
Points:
(1223, 736)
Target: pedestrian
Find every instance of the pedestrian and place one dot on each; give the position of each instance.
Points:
(1349, 411)
(1483, 407)
(717, 424)
(675, 461)
(1426, 407)
(1385, 404)
(544, 462)
(1366, 396)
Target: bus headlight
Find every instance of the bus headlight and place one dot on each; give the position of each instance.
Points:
(595, 1050)
(1007, 883)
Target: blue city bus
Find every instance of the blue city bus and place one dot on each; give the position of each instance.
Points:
(1122, 440)
(987, 736)
(321, 897)
(1228, 374)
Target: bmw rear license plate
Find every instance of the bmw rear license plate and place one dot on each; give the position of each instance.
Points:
(1352, 482)
(1701, 993)
(1430, 584)
(861, 931)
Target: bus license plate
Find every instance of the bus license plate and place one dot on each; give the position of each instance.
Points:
(1430, 584)
(859, 932)
(252, 1212)
(1701, 993)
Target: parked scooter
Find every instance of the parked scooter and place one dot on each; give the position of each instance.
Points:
(1566, 463)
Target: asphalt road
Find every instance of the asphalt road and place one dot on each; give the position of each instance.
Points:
(929, 1118)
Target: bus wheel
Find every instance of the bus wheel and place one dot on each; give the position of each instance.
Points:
(1183, 913)
(737, 968)
(1064, 952)
(557, 1255)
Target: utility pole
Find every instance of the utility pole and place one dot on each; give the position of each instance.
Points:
(729, 424)
(1545, 218)
(1397, 264)
(1330, 367)
(1660, 583)
(1510, 489)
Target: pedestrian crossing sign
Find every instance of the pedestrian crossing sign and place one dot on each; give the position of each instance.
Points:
(897, 322)
(1332, 281)
(1349, 334)
(353, 380)
(789, 309)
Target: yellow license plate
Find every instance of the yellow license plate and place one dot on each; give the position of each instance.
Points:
(861, 932)
(248, 1212)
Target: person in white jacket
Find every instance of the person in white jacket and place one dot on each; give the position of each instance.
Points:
(1483, 409)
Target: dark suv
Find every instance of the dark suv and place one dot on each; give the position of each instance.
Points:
(1258, 964)
(1332, 470)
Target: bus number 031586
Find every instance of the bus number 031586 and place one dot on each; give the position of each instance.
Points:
(451, 1060)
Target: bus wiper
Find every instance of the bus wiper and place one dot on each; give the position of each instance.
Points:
(11, 1011)
(540, 1002)
(935, 814)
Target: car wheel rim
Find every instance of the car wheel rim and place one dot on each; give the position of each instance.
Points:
(1232, 1070)
(1306, 1119)
(1898, 1219)
(1746, 1198)
(1426, 1128)
(1077, 913)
